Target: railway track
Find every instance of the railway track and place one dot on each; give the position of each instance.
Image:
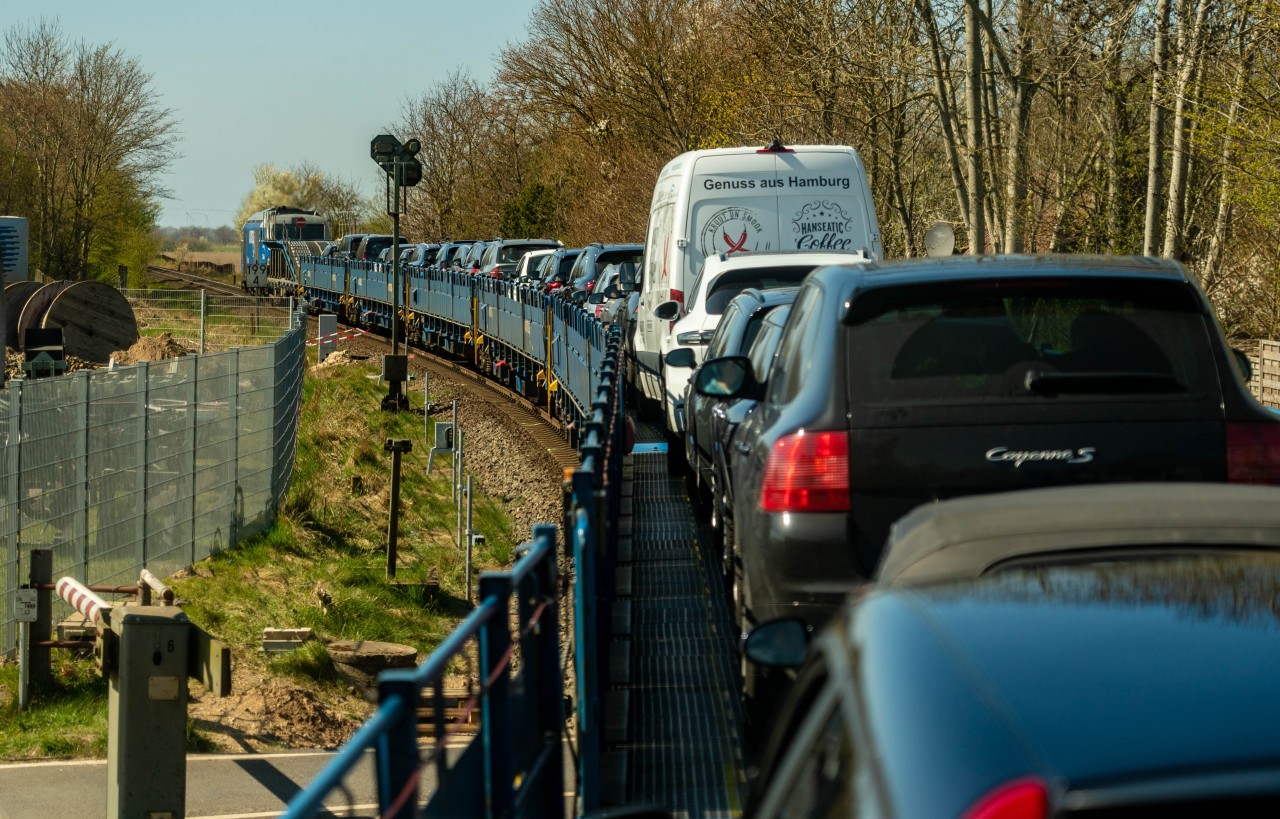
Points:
(545, 430)
(212, 285)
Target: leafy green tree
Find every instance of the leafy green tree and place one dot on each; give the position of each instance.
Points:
(531, 213)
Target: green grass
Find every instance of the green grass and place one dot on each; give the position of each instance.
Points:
(322, 566)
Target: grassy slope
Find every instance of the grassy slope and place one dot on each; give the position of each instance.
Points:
(322, 566)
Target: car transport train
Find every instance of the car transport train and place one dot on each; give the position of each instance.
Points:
(537, 344)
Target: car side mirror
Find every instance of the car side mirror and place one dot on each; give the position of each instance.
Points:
(681, 357)
(727, 377)
(667, 311)
(613, 291)
(597, 298)
(1243, 363)
(782, 643)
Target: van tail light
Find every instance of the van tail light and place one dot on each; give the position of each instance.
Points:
(1253, 453)
(807, 472)
(676, 296)
(1020, 799)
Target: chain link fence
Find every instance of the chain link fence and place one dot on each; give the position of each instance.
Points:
(209, 323)
(154, 465)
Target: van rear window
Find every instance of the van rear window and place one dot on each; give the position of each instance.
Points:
(1030, 340)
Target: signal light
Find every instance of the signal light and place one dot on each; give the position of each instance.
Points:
(807, 472)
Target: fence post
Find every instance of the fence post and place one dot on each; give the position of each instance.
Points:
(470, 539)
(195, 450)
(145, 441)
(495, 706)
(586, 617)
(549, 678)
(10, 465)
(203, 316)
(398, 763)
(82, 558)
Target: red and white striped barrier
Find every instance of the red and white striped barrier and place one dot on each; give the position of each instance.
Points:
(343, 336)
(84, 601)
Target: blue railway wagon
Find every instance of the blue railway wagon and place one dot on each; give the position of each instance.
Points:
(539, 344)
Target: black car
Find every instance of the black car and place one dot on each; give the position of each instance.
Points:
(371, 246)
(1076, 675)
(554, 270)
(595, 257)
(451, 253)
(901, 383)
(710, 422)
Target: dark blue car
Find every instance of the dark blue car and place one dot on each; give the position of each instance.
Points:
(1079, 652)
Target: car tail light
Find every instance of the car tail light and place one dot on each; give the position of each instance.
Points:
(1253, 453)
(1020, 799)
(807, 472)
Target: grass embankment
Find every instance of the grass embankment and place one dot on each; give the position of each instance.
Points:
(322, 566)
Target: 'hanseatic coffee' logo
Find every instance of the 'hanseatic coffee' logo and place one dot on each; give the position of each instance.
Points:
(823, 225)
(732, 230)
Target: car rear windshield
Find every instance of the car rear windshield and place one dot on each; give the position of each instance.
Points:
(1029, 340)
(633, 258)
(510, 254)
(730, 284)
(566, 264)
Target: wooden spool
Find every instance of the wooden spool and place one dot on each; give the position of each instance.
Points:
(37, 303)
(96, 320)
(16, 295)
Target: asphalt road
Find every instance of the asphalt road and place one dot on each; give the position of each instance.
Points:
(226, 786)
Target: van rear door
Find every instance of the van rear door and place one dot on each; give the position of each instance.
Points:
(804, 199)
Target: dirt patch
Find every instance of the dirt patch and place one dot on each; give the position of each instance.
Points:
(13, 364)
(266, 712)
(152, 348)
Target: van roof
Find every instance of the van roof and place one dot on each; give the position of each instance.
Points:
(749, 150)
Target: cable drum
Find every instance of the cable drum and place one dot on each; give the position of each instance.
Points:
(96, 320)
(32, 315)
(16, 295)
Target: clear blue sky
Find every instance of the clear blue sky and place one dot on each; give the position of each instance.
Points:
(283, 82)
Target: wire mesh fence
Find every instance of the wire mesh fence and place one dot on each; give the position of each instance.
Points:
(154, 465)
(209, 322)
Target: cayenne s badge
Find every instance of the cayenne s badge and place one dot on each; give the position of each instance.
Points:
(1002, 454)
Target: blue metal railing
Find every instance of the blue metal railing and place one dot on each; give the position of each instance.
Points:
(515, 766)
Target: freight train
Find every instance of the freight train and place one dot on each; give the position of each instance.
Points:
(543, 346)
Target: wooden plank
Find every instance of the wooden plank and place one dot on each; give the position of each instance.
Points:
(96, 321)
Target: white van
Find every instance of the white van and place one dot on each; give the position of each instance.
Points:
(741, 200)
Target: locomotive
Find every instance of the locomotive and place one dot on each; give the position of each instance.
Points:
(272, 241)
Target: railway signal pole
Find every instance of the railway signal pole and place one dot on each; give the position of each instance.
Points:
(403, 170)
